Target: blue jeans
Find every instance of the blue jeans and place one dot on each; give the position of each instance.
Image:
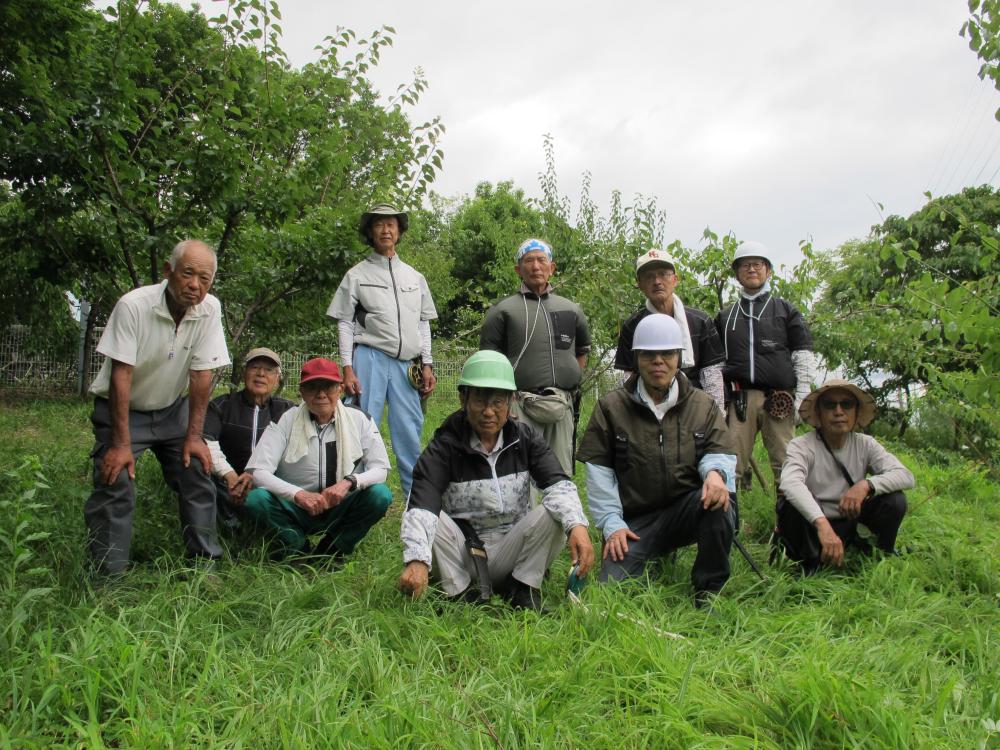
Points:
(385, 380)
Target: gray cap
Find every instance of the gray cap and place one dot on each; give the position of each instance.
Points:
(261, 352)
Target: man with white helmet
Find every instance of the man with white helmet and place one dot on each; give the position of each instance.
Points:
(702, 356)
(769, 362)
(546, 337)
(660, 470)
(470, 514)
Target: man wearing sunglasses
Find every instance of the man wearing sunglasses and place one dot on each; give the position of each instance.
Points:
(836, 478)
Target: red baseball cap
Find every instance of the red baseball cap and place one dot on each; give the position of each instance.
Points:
(320, 369)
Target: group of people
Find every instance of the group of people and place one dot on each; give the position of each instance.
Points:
(490, 501)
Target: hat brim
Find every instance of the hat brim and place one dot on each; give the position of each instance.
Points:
(324, 376)
(866, 403)
(268, 357)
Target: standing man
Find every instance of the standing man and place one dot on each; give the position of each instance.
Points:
(234, 424)
(383, 309)
(546, 339)
(702, 356)
(659, 467)
(769, 362)
(159, 340)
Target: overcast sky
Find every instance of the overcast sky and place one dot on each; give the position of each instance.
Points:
(779, 121)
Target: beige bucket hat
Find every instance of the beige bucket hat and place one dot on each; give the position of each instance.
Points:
(866, 404)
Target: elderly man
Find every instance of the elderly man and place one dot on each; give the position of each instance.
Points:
(160, 340)
(320, 469)
(383, 309)
(702, 357)
(659, 467)
(769, 362)
(471, 491)
(234, 424)
(547, 339)
(835, 478)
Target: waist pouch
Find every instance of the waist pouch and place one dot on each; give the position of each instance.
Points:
(546, 407)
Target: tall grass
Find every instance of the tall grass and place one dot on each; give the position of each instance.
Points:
(894, 653)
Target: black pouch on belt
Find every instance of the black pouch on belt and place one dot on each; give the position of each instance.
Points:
(477, 550)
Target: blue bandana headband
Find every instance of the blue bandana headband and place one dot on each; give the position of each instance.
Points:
(529, 246)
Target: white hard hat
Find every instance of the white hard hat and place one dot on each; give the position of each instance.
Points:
(752, 249)
(658, 333)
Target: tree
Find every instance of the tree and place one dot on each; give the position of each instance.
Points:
(916, 304)
(172, 124)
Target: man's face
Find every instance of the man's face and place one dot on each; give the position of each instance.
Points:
(260, 376)
(657, 283)
(838, 411)
(190, 280)
(486, 409)
(535, 269)
(384, 232)
(657, 368)
(752, 273)
(321, 397)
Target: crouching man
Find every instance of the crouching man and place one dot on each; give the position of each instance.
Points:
(660, 470)
(835, 478)
(469, 514)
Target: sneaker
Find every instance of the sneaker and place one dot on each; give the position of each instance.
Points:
(523, 596)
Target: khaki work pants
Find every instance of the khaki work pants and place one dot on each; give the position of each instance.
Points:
(775, 432)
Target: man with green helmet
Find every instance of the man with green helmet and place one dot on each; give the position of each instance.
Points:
(470, 514)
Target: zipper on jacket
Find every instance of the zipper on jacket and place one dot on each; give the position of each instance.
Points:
(399, 314)
(750, 342)
(552, 353)
(663, 458)
(253, 432)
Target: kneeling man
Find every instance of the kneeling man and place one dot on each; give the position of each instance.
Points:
(471, 490)
(660, 470)
(835, 478)
(320, 469)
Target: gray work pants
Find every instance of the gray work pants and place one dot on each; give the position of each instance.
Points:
(108, 511)
(526, 551)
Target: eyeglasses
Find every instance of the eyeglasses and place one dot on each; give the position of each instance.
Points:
(315, 386)
(846, 404)
(750, 265)
(651, 354)
(493, 402)
(268, 369)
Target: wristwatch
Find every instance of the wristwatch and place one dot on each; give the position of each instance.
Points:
(353, 481)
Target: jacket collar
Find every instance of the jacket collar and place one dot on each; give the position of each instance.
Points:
(631, 388)
(457, 427)
(192, 313)
(528, 293)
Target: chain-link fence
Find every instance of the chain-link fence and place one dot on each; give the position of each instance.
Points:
(27, 370)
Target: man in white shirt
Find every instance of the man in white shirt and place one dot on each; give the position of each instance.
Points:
(383, 309)
(835, 478)
(159, 340)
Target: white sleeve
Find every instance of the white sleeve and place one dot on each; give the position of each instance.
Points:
(265, 459)
(794, 472)
(220, 466)
(376, 458)
(345, 340)
(711, 383)
(804, 363)
(424, 329)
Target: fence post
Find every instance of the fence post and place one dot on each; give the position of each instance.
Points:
(82, 360)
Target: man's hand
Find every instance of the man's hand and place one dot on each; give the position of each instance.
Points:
(312, 503)
(335, 493)
(851, 501)
(616, 545)
(117, 458)
(195, 447)
(430, 380)
(581, 551)
(352, 386)
(413, 579)
(239, 486)
(714, 493)
(833, 547)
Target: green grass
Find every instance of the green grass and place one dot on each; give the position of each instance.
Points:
(899, 653)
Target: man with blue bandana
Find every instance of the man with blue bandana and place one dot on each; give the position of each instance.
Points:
(546, 338)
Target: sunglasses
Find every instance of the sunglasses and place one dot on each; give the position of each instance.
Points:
(846, 404)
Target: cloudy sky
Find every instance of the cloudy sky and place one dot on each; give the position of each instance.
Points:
(779, 121)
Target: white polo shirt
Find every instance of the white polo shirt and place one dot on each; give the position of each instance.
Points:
(141, 332)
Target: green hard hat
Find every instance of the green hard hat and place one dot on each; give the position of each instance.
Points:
(488, 369)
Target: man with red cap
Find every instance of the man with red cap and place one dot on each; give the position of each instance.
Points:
(320, 469)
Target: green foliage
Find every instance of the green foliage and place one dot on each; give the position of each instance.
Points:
(917, 304)
(983, 31)
(159, 124)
